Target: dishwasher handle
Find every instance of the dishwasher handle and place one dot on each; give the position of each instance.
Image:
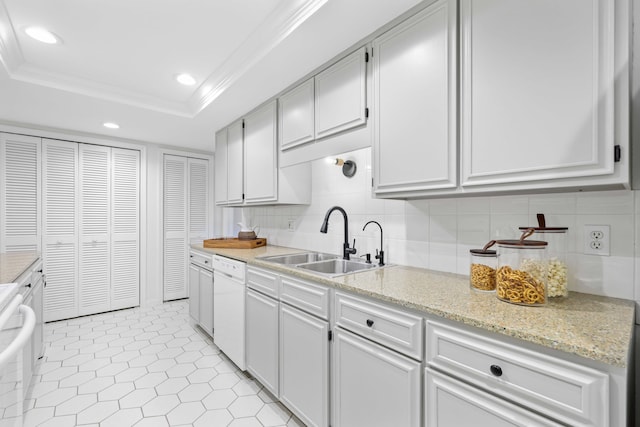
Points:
(25, 332)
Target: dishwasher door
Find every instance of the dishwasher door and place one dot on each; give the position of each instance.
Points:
(228, 317)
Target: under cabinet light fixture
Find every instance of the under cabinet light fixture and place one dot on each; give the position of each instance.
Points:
(42, 35)
(349, 167)
(111, 125)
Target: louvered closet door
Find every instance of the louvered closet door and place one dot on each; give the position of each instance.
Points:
(198, 200)
(60, 242)
(19, 193)
(94, 284)
(175, 227)
(125, 242)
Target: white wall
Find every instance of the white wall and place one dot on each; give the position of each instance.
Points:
(438, 233)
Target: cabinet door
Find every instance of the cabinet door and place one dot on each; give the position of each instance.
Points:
(206, 301)
(95, 193)
(260, 155)
(373, 386)
(220, 171)
(175, 227)
(341, 98)
(414, 72)
(125, 219)
(536, 106)
(38, 309)
(19, 193)
(304, 366)
(194, 293)
(27, 355)
(296, 116)
(452, 403)
(262, 339)
(60, 231)
(235, 162)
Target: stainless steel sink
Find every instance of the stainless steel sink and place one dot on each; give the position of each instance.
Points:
(300, 258)
(336, 267)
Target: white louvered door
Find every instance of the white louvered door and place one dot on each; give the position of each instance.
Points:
(198, 200)
(175, 227)
(125, 220)
(95, 272)
(60, 242)
(19, 193)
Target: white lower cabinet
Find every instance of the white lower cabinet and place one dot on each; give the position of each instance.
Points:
(452, 403)
(206, 300)
(372, 385)
(304, 365)
(194, 293)
(262, 339)
(201, 291)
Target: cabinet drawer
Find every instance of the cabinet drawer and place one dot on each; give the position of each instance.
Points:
(559, 389)
(263, 281)
(198, 258)
(307, 296)
(385, 325)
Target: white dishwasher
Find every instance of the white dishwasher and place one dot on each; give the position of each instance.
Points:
(229, 308)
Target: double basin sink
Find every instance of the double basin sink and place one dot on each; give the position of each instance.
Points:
(324, 264)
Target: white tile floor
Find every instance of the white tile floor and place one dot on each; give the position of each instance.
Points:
(143, 367)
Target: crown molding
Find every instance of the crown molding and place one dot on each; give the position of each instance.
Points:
(279, 24)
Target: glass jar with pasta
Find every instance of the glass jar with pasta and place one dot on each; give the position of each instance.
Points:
(482, 275)
(521, 277)
(556, 237)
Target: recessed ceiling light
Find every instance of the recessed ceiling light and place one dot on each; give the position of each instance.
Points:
(111, 125)
(42, 35)
(186, 79)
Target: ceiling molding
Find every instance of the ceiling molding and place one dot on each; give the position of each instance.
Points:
(10, 52)
(279, 24)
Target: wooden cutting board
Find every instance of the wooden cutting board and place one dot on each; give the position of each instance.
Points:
(234, 243)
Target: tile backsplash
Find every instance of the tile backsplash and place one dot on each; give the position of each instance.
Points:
(438, 233)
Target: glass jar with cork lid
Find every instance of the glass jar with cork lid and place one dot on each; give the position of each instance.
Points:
(556, 237)
(521, 277)
(482, 276)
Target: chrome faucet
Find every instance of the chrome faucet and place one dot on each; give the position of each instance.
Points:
(346, 250)
(379, 255)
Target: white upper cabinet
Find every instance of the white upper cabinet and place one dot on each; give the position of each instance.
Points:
(251, 170)
(296, 116)
(261, 155)
(537, 90)
(220, 171)
(19, 193)
(340, 95)
(235, 163)
(414, 104)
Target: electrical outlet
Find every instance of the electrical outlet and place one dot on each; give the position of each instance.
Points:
(291, 224)
(596, 240)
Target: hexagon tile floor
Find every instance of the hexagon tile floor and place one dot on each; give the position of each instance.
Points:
(143, 367)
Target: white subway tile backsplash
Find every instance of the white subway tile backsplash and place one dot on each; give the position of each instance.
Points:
(443, 257)
(605, 202)
(442, 228)
(550, 204)
(509, 205)
(438, 233)
(443, 207)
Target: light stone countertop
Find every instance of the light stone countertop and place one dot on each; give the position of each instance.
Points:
(13, 264)
(591, 326)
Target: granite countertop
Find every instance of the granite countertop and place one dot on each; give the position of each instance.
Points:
(591, 326)
(13, 264)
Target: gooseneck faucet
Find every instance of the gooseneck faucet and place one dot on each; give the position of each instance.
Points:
(379, 255)
(346, 250)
